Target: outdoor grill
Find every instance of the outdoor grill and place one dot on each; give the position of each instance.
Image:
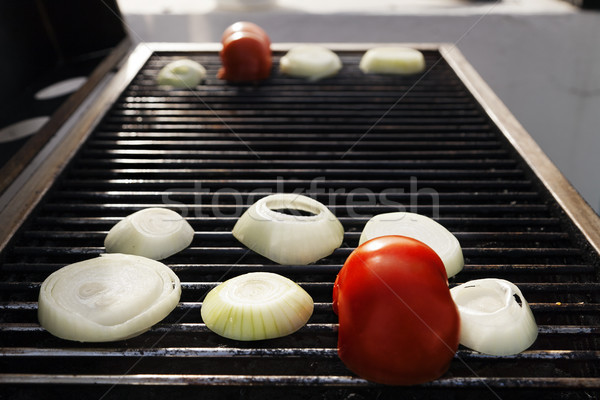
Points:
(438, 143)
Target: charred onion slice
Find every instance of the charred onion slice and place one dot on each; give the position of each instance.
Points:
(181, 74)
(392, 60)
(111, 297)
(256, 306)
(291, 238)
(495, 318)
(422, 228)
(156, 233)
(310, 61)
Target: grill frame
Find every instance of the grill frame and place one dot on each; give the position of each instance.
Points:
(18, 202)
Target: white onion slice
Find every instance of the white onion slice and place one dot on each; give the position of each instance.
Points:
(492, 320)
(392, 60)
(156, 233)
(422, 228)
(310, 61)
(256, 306)
(181, 74)
(111, 297)
(285, 238)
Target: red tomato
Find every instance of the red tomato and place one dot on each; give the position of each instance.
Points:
(398, 324)
(248, 27)
(246, 53)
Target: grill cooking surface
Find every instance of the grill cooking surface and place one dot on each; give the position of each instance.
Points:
(362, 145)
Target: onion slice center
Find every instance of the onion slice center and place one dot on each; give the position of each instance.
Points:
(310, 61)
(256, 306)
(156, 233)
(288, 238)
(181, 74)
(392, 60)
(495, 317)
(111, 297)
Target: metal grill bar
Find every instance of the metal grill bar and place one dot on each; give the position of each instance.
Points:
(567, 330)
(292, 381)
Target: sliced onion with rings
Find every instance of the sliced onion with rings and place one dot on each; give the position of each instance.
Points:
(289, 238)
(184, 74)
(310, 61)
(422, 228)
(156, 233)
(495, 318)
(107, 298)
(256, 306)
(392, 60)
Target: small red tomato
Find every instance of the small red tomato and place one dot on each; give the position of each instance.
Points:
(398, 324)
(248, 27)
(246, 53)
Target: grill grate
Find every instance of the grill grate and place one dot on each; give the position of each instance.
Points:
(360, 144)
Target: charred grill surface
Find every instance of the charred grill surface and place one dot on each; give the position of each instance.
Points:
(360, 144)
